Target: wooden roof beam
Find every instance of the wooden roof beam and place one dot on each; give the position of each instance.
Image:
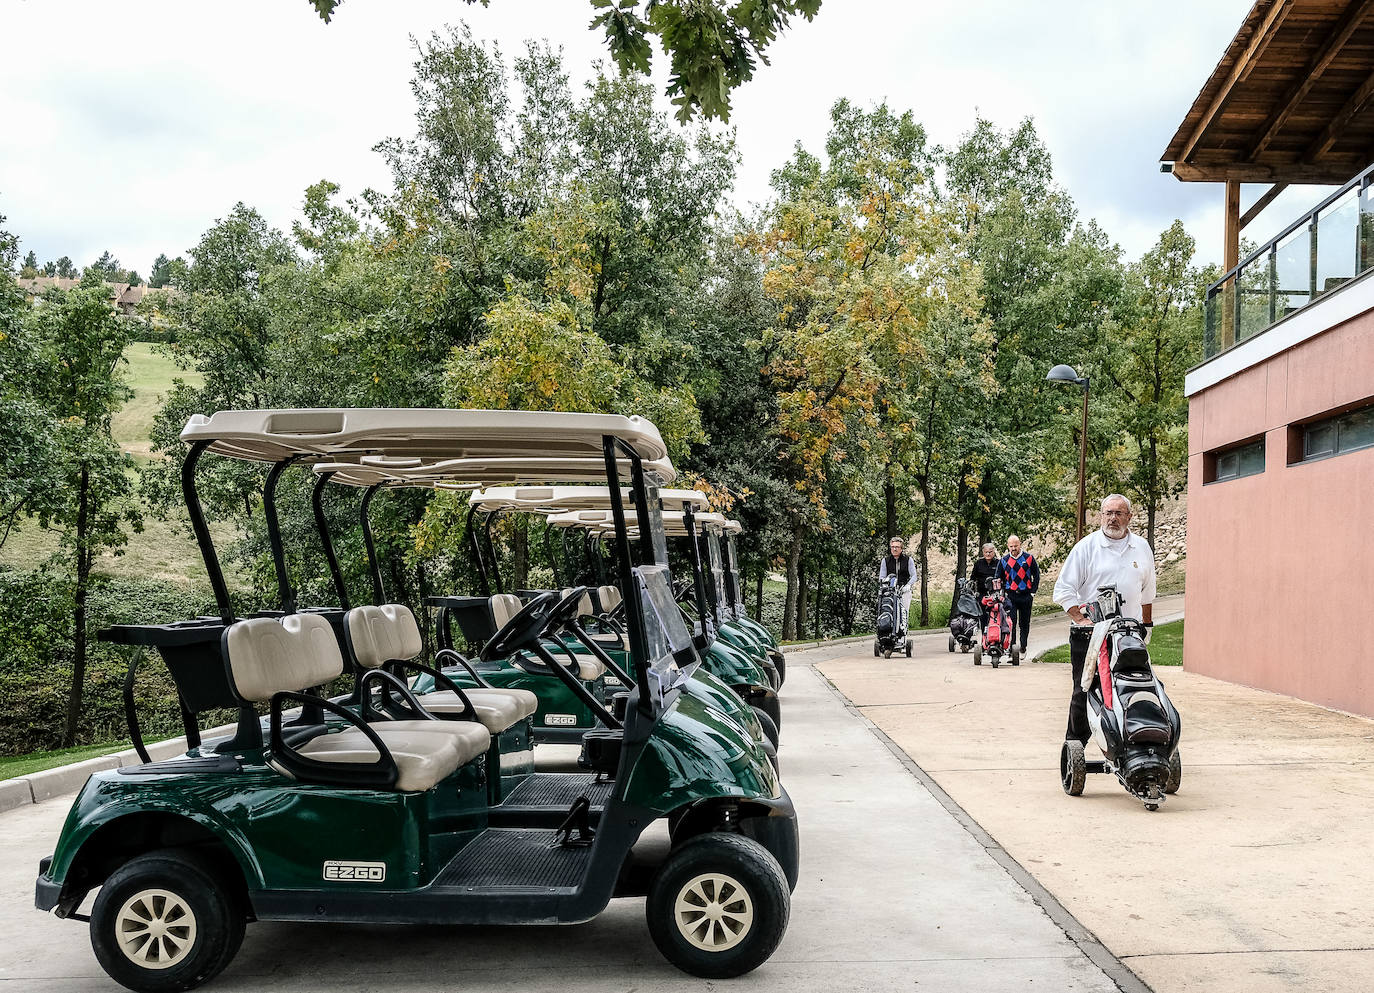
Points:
(1261, 203)
(1258, 43)
(1340, 122)
(1328, 172)
(1340, 34)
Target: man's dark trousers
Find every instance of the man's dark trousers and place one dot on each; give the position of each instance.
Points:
(1019, 607)
(1079, 636)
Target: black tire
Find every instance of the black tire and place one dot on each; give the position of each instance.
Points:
(908, 648)
(876, 650)
(965, 648)
(977, 654)
(1175, 779)
(1015, 655)
(1073, 768)
(771, 706)
(995, 658)
(752, 872)
(179, 885)
(951, 644)
(770, 727)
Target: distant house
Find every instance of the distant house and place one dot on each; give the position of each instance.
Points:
(123, 296)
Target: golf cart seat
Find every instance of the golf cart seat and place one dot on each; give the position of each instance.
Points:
(609, 596)
(584, 605)
(275, 660)
(389, 634)
(504, 606)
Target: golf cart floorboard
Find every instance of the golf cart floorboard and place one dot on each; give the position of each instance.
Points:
(523, 857)
(558, 789)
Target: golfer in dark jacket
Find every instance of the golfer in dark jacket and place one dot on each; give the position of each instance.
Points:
(1020, 578)
(985, 569)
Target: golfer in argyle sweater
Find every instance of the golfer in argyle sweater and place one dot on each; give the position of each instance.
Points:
(1020, 578)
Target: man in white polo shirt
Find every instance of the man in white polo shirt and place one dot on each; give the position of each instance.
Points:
(1110, 556)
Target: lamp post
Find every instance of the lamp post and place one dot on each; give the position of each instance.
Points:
(1067, 374)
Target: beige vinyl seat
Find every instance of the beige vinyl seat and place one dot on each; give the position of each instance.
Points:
(389, 633)
(609, 596)
(274, 660)
(504, 606)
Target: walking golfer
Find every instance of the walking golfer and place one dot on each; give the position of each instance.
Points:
(897, 563)
(1110, 556)
(1021, 580)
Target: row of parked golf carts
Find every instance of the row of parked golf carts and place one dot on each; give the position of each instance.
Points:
(416, 796)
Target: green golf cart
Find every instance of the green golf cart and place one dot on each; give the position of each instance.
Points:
(330, 814)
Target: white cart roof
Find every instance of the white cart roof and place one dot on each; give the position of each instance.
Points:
(344, 433)
(554, 498)
(476, 473)
(674, 521)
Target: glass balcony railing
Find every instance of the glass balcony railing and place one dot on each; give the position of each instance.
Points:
(1330, 245)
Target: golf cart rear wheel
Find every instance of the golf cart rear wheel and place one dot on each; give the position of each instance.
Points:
(951, 644)
(1175, 779)
(1073, 767)
(977, 654)
(165, 922)
(718, 906)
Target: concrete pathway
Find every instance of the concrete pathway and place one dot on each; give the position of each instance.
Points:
(896, 893)
(1256, 877)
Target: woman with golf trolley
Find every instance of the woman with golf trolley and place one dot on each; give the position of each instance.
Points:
(323, 812)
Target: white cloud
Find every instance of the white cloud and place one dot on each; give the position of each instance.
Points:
(133, 129)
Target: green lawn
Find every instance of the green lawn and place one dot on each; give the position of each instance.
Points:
(1166, 646)
(149, 374)
(13, 766)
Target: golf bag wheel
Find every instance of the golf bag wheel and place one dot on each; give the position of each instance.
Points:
(1073, 768)
(965, 648)
(908, 648)
(977, 654)
(770, 726)
(951, 644)
(164, 921)
(876, 650)
(1015, 655)
(1172, 784)
(1152, 807)
(719, 906)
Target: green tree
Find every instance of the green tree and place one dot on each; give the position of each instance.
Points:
(713, 46)
(1153, 343)
(81, 343)
(161, 273)
(65, 268)
(29, 268)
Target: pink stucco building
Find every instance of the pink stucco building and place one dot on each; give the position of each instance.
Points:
(1281, 410)
(1281, 506)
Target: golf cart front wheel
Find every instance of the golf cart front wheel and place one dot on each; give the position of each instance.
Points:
(780, 663)
(163, 922)
(1175, 779)
(770, 726)
(1073, 767)
(718, 907)
(977, 654)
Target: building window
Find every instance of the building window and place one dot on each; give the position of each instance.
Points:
(1338, 435)
(1232, 463)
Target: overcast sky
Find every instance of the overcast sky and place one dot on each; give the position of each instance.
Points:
(132, 127)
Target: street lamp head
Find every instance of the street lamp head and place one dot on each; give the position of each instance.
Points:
(1065, 374)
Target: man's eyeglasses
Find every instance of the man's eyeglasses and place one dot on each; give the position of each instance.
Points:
(1116, 513)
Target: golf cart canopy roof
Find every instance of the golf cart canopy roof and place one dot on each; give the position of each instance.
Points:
(732, 527)
(476, 473)
(345, 434)
(554, 498)
(674, 521)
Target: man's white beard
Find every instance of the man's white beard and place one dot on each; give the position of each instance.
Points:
(1114, 531)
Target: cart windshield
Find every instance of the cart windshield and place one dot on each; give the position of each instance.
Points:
(732, 574)
(666, 636)
(716, 564)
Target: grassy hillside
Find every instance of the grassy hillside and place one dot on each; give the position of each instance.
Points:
(165, 550)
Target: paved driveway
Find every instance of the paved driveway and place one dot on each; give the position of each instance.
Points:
(895, 894)
(1257, 876)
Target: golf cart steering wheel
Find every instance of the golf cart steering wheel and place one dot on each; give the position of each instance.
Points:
(566, 610)
(522, 630)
